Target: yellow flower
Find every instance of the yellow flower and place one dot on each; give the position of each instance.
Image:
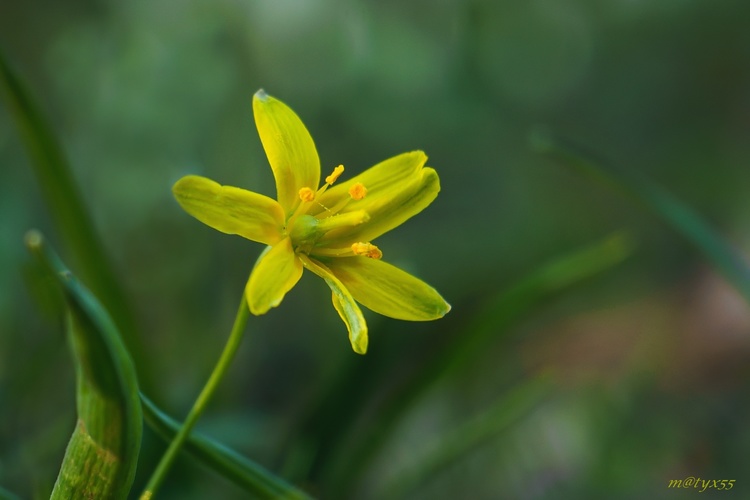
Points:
(327, 230)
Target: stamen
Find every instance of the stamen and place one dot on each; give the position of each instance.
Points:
(335, 174)
(367, 250)
(333, 210)
(306, 194)
(358, 191)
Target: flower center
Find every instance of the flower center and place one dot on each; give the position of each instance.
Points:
(306, 230)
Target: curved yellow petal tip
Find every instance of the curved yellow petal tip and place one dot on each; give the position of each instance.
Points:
(261, 95)
(359, 345)
(448, 308)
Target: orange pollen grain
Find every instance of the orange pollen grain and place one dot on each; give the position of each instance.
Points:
(306, 194)
(367, 250)
(358, 191)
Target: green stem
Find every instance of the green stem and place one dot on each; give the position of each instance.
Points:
(200, 404)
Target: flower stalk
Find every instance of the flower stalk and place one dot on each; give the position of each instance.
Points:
(230, 349)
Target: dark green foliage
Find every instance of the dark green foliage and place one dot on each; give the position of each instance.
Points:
(647, 357)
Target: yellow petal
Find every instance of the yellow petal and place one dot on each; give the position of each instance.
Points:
(277, 271)
(351, 315)
(388, 207)
(289, 148)
(231, 210)
(344, 304)
(388, 290)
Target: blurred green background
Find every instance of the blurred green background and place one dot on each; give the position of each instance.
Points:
(645, 361)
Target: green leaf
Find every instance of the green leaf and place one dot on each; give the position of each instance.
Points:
(102, 454)
(66, 207)
(244, 472)
(679, 216)
(548, 281)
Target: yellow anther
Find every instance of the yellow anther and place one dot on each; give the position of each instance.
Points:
(358, 191)
(306, 194)
(335, 174)
(367, 250)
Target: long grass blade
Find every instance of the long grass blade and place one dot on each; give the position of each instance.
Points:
(67, 209)
(676, 214)
(244, 472)
(102, 454)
